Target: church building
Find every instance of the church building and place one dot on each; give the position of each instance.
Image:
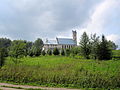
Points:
(61, 43)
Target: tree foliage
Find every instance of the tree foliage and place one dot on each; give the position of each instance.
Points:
(49, 52)
(2, 55)
(67, 52)
(56, 51)
(85, 45)
(94, 45)
(76, 51)
(43, 53)
(38, 45)
(17, 50)
(5, 43)
(103, 51)
(112, 45)
(63, 52)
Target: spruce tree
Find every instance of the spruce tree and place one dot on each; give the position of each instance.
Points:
(62, 52)
(103, 51)
(43, 53)
(49, 52)
(85, 45)
(56, 51)
(94, 46)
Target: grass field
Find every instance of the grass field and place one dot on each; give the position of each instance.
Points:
(63, 72)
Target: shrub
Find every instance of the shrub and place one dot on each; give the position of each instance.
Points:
(62, 52)
(43, 53)
(56, 51)
(49, 52)
(67, 53)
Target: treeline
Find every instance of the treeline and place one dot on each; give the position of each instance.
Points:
(93, 47)
(17, 49)
(96, 47)
(89, 48)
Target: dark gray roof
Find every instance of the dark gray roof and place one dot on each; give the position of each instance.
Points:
(66, 41)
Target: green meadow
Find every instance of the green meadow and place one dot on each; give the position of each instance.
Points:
(61, 71)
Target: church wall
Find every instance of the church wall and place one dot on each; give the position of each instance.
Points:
(52, 46)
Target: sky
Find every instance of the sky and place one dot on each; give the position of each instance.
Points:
(32, 19)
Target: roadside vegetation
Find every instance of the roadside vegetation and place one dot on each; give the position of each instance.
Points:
(95, 63)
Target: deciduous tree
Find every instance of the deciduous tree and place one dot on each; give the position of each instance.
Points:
(17, 50)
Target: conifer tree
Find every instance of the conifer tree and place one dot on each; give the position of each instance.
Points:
(56, 51)
(62, 52)
(85, 45)
(103, 51)
(49, 52)
(94, 46)
(43, 53)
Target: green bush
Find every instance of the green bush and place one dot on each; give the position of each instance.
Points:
(63, 52)
(43, 53)
(67, 52)
(49, 52)
(56, 51)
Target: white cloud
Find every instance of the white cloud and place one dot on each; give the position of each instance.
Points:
(113, 37)
(30, 19)
(103, 20)
(98, 17)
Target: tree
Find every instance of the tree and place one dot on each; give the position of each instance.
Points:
(103, 51)
(112, 45)
(5, 43)
(75, 51)
(31, 52)
(67, 52)
(17, 50)
(43, 53)
(85, 45)
(94, 46)
(2, 55)
(29, 48)
(49, 52)
(63, 52)
(56, 51)
(38, 44)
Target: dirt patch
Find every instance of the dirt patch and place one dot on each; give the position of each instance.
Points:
(27, 87)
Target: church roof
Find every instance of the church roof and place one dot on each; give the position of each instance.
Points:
(66, 41)
(51, 42)
(61, 41)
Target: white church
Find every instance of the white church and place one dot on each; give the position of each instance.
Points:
(61, 43)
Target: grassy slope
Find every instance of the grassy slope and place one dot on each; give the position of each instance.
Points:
(63, 71)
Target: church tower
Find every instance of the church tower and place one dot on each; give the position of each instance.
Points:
(74, 35)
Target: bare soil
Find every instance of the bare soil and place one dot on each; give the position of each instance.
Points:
(27, 87)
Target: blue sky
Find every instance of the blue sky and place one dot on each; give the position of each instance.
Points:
(31, 19)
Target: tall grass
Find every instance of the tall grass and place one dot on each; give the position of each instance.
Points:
(63, 71)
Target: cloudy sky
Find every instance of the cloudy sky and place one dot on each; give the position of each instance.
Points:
(31, 19)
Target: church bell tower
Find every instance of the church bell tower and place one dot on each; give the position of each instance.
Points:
(74, 35)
